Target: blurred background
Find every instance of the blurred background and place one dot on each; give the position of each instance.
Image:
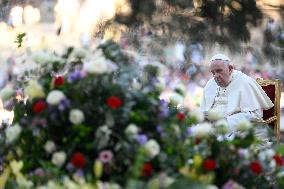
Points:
(178, 35)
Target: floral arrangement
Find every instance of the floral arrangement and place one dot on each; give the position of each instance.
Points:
(92, 119)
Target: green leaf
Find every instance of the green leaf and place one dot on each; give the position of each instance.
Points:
(19, 39)
(183, 183)
(280, 149)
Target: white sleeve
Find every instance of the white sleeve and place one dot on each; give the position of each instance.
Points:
(234, 119)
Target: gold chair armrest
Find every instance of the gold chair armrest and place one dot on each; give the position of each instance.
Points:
(267, 121)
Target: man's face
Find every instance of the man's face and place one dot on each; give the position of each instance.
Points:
(221, 72)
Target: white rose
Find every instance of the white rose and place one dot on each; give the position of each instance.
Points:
(70, 184)
(54, 97)
(49, 147)
(198, 115)
(79, 53)
(131, 130)
(152, 148)
(202, 130)
(167, 181)
(221, 127)
(214, 115)
(24, 183)
(34, 90)
(176, 98)
(244, 125)
(12, 132)
(76, 116)
(43, 58)
(58, 158)
(98, 66)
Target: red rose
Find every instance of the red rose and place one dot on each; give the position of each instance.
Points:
(209, 164)
(180, 116)
(58, 81)
(147, 170)
(255, 167)
(278, 160)
(39, 106)
(197, 140)
(114, 102)
(78, 160)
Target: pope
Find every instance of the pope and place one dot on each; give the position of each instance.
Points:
(233, 93)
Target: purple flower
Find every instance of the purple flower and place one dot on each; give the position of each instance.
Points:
(160, 129)
(20, 91)
(63, 104)
(189, 131)
(70, 167)
(79, 173)
(142, 139)
(163, 103)
(9, 104)
(164, 110)
(76, 75)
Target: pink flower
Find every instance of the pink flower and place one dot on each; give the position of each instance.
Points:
(106, 156)
(230, 184)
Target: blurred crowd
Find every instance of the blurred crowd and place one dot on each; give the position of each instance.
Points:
(182, 63)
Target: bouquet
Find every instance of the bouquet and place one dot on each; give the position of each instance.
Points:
(90, 118)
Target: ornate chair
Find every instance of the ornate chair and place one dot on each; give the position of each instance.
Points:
(271, 116)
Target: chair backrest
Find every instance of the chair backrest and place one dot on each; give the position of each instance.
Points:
(272, 116)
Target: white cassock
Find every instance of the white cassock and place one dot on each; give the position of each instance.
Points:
(242, 99)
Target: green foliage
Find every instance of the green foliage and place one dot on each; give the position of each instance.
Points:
(20, 38)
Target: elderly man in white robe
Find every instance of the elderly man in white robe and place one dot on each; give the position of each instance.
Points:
(233, 93)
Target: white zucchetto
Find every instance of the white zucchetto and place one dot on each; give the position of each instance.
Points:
(220, 57)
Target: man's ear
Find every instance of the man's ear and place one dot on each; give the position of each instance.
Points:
(231, 68)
